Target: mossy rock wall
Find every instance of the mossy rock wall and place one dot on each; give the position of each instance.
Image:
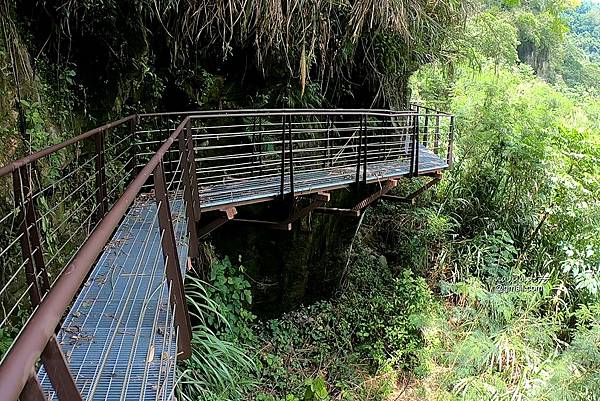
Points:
(290, 268)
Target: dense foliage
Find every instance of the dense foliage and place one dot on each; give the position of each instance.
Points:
(488, 288)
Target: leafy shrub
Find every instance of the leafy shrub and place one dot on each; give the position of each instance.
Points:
(220, 367)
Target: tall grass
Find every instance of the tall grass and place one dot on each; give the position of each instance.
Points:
(217, 369)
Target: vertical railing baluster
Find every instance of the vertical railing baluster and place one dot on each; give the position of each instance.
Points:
(330, 128)
(426, 128)
(291, 145)
(411, 139)
(283, 130)
(172, 268)
(417, 130)
(365, 148)
(132, 147)
(358, 151)
(195, 189)
(436, 145)
(253, 157)
(101, 198)
(260, 145)
(326, 160)
(450, 142)
(186, 177)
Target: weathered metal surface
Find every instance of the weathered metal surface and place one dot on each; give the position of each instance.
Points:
(119, 336)
(264, 189)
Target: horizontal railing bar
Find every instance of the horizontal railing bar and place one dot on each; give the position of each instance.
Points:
(9, 168)
(279, 112)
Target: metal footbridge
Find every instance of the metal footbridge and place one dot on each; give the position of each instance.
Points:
(99, 231)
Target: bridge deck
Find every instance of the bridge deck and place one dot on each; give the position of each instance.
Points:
(119, 337)
(251, 190)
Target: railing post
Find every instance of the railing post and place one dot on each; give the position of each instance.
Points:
(436, 145)
(291, 145)
(172, 268)
(58, 371)
(132, 147)
(365, 148)
(327, 160)
(32, 391)
(283, 130)
(260, 145)
(186, 177)
(30, 238)
(52, 357)
(101, 198)
(450, 142)
(417, 144)
(426, 128)
(411, 139)
(193, 175)
(254, 157)
(359, 150)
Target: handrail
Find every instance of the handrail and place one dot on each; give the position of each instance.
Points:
(428, 109)
(10, 167)
(300, 112)
(16, 366)
(241, 112)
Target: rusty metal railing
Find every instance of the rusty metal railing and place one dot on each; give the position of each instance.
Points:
(279, 152)
(283, 148)
(37, 339)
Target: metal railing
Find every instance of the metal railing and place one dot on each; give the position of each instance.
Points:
(292, 151)
(203, 158)
(54, 199)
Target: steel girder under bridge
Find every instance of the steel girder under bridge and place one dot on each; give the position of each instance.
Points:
(102, 228)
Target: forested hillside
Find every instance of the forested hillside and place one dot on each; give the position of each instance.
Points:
(487, 288)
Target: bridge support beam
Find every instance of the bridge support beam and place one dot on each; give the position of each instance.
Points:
(225, 215)
(318, 200)
(336, 211)
(360, 206)
(384, 189)
(411, 198)
(172, 268)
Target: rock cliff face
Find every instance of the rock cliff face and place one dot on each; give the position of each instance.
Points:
(290, 268)
(538, 59)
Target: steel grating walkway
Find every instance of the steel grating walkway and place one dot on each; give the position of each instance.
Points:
(119, 336)
(261, 189)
